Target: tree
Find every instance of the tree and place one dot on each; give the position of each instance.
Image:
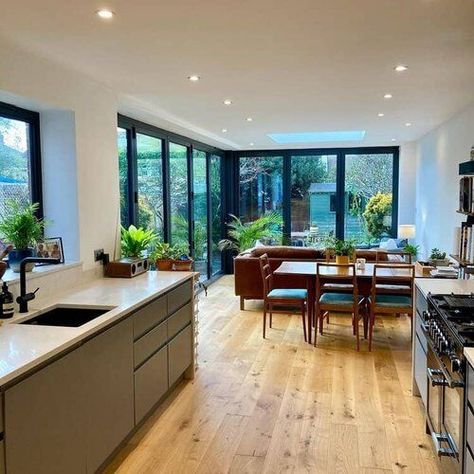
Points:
(378, 207)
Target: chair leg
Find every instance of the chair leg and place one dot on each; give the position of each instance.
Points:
(327, 317)
(321, 316)
(356, 321)
(371, 328)
(316, 320)
(366, 316)
(264, 319)
(242, 303)
(303, 319)
(271, 317)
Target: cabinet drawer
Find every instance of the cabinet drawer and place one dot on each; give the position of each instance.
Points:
(420, 370)
(149, 316)
(151, 383)
(421, 303)
(470, 385)
(180, 354)
(468, 463)
(179, 296)
(2, 458)
(179, 320)
(149, 343)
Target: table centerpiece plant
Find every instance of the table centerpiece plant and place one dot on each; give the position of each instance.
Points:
(344, 250)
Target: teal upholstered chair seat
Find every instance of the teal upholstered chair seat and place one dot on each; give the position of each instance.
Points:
(288, 294)
(337, 299)
(393, 301)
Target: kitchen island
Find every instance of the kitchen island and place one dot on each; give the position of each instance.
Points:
(71, 395)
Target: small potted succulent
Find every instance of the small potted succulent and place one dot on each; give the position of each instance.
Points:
(412, 250)
(182, 261)
(22, 228)
(438, 258)
(135, 241)
(162, 255)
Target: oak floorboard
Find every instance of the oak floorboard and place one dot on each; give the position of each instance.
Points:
(281, 405)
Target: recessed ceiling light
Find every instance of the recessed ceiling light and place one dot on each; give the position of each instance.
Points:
(387, 96)
(408, 124)
(251, 143)
(394, 139)
(194, 78)
(249, 119)
(380, 114)
(400, 68)
(224, 130)
(105, 14)
(227, 102)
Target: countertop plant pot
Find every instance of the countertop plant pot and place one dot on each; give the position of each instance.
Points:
(3, 269)
(16, 256)
(342, 259)
(165, 264)
(437, 262)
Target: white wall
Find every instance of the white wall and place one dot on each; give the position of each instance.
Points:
(407, 184)
(437, 181)
(88, 147)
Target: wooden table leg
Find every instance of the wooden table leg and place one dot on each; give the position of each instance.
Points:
(311, 288)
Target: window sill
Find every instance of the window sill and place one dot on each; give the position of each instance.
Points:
(11, 277)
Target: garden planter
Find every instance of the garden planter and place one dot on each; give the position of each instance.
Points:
(16, 256)
(164, 264)
(183, 265)
(342, 259)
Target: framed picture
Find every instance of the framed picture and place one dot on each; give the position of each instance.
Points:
(51, 247)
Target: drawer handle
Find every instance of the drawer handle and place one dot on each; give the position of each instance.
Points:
(436, 377)
(439, 439)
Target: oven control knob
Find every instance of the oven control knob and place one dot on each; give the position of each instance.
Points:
(455, 364)
(442, 345)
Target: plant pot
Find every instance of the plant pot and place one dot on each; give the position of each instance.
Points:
(342, 259)
(438, 262)
(16, 256)
(3, 269)
(183, 265)
(164, 264)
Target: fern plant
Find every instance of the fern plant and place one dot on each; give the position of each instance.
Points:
(245, 235)
(136, 241)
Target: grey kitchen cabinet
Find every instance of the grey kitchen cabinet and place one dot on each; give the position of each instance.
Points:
(420, 361)
(149, 316)
(108, 359)
(2, 457)
(151, 383)
(180, 354)
(45, 424)
(179, 296)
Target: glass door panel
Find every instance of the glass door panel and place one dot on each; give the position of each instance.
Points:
(216, 212)
(200, 213)
(150, 183)
(313, 199)
(368, 197)
(179, 194)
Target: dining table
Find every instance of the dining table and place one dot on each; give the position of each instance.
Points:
(364, 278)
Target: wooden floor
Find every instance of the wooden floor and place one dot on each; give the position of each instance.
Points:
(280, 405)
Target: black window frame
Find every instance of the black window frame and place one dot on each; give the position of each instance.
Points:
(133, 126)
(340, 153)
(13, 112)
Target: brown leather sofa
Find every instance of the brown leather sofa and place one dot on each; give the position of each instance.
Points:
(248, 279)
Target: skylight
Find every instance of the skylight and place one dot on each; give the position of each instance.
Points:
(309, 137)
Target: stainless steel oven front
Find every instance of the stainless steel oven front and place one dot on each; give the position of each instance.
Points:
(444, 411)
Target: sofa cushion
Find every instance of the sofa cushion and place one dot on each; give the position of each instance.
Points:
(285, 252)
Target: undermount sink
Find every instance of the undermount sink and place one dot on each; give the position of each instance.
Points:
(71, 317)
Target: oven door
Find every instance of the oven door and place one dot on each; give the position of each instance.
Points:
(453, 421)
(435, 384)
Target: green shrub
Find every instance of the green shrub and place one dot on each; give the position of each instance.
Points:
(377, 209)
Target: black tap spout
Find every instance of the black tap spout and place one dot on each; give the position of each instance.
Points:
(24, 297)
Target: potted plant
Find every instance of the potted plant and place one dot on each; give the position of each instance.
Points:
(162, 255)
(412, 250)
(135, 241)
(438, 258)
(22, 228)
(182, 261)
(342, 249)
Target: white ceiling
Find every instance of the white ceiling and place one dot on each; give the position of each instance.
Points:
(294, 66)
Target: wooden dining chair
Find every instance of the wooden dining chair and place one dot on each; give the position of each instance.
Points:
(391, 294)
(281, 300)
(337, 292)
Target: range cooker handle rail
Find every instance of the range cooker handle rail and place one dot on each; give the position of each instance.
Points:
(436, 377)
(444, 438)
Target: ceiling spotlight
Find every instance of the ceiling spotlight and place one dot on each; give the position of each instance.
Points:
(194, 78)
(387, 96)
(227, 102)
(249, 119)
(394, 139)
(251, 143)
(105, 14)
(224, 130)
(400, 68)
(408, 124)
(380, 114)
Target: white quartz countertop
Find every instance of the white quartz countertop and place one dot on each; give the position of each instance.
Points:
(23, 347)
(469, 353)
(438, 285)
